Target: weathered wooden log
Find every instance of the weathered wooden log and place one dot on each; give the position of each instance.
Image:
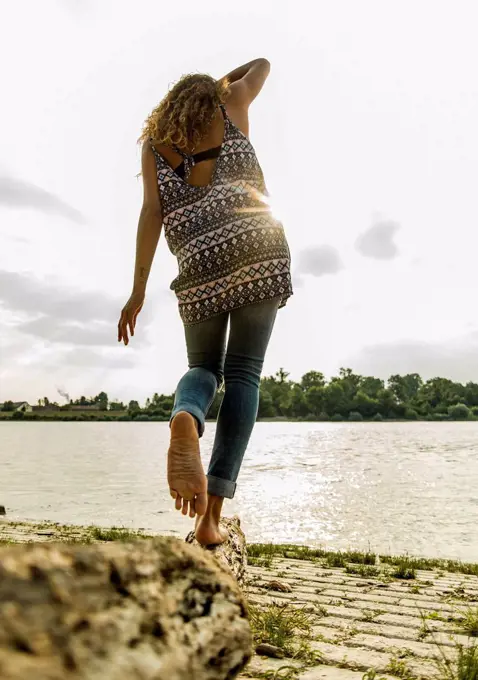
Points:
(150, 610)
(233, 552)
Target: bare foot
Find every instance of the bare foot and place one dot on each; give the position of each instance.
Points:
(186, 478)
(208, 531)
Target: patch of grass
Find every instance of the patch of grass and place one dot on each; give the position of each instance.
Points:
(79, 540)
(115, 534)
(6, 541)
(265, 562)
(371, 674)
(436, 616)
(429, 564)
(415, 589)
(365, 570)
(335, 560)
(320, 610)
(463, 667)
(404, 569)
(469, 622)
(302, 552)
(424, 632)
(278, 624)
(358, 557)
(399, 668)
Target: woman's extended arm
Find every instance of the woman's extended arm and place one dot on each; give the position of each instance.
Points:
(247, 80)
(149, 230)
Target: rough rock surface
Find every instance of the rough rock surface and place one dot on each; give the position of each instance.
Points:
(233, 552)
(152, 609)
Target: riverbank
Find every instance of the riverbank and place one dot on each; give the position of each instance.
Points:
(334, 615)
(123, 416)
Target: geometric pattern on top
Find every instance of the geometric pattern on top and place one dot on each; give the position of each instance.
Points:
(231, 250)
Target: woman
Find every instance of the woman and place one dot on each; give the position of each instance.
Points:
(203, 183)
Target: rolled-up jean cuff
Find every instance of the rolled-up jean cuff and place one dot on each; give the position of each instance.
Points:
(195, 412)
(221, 487)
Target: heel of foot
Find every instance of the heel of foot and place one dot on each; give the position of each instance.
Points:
(184, 423)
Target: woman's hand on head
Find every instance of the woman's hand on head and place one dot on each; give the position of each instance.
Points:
(129, 314)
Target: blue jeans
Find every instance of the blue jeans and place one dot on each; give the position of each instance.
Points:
(240, 366)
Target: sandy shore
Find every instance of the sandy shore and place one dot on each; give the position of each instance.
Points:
(360, 617)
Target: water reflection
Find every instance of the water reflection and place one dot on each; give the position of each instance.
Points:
(392, 487)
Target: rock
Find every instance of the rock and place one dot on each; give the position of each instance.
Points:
(278, 585)
(148, 610)
(233, 552)
(270, 650)
(2, 510)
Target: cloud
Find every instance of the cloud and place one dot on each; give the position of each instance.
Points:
(455, 359)
(64, 315)
(25, 293)
(377, 241)
(54, 330)
(319, 261)
(15, 193)
(88, 358)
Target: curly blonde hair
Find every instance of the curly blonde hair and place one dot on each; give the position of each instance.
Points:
(185, 114)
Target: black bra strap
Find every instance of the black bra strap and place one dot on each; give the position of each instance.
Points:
(197, 158)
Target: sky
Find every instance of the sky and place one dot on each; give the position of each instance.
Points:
(366, 132)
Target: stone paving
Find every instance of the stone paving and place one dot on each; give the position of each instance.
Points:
(396, 627)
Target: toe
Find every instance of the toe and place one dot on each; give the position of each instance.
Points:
(177, 505)
(200, 504)
(173, 493)
(185, 506)
(192, 509)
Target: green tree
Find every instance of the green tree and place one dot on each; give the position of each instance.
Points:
(133, 408)
(471, 393)
(365, 405)
(389, 408)
(8, 406)
(315, 399)
(102, 400)
(298, 402)
(117, 406)
(459, 412)
(281, 375)
(335, 400)
(371, 386)
(312, 379)
(405, 387)
(266, 404)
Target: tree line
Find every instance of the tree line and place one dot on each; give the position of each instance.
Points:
(346, 396)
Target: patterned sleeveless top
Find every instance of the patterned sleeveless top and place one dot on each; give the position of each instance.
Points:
(231, 251)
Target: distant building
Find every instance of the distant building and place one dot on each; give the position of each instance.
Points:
(91, 407)
(50, 407)
(23, 406)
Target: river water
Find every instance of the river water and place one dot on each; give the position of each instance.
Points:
(390, 487)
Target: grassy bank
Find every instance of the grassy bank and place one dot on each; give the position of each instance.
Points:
(124, 416)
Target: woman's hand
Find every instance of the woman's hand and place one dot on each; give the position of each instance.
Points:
(128, 316)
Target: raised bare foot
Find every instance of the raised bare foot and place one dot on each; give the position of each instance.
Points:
(208, 531)
(186, 478)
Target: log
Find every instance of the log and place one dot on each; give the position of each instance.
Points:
(231, 554)
(154, 609)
